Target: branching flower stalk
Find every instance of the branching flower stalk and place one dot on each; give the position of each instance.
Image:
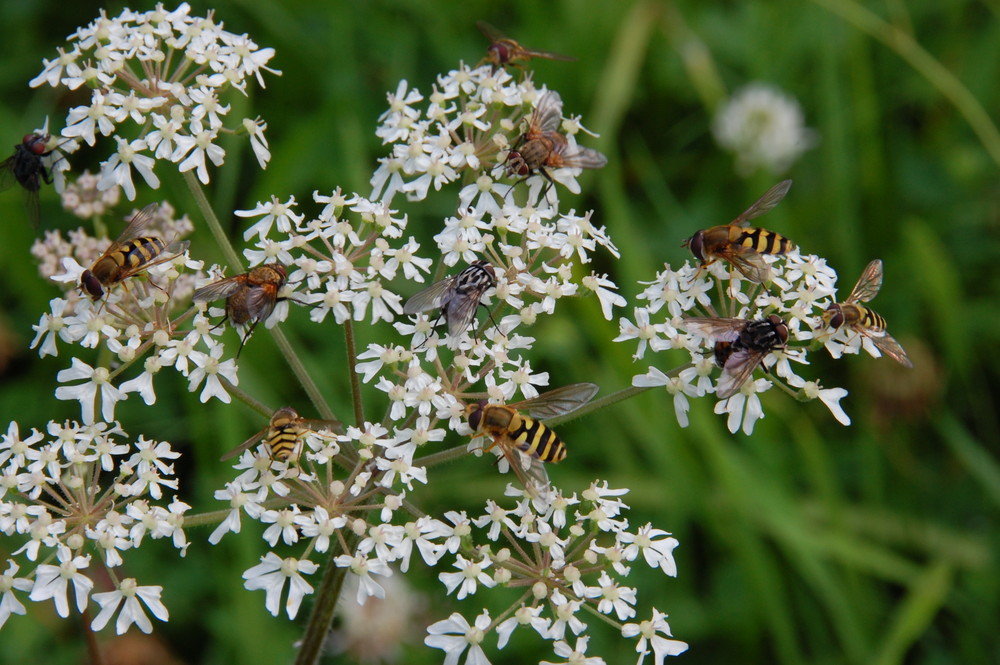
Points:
(347, 494)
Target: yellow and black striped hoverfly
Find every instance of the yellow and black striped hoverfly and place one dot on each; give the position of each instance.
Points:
(518, 427)
(741, 244)
(504, 51)
(865, 320)
(740, 346)
(129, 255)
(284, 433)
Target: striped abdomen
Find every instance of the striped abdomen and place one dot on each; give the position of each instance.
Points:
(533, 438)
(283, 440)
(857, 316)
(127, 259)
(761, 241)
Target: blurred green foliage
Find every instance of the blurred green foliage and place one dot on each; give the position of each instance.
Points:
(806, 542)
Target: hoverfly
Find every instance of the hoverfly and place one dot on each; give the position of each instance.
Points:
(250, 297)
(284, 433)
(129, 255)
(740, 346)
(27, 167)
(515, 426)
(504, 51)
(457, 296)
(741, 244)
(865, 320)
(543, 147)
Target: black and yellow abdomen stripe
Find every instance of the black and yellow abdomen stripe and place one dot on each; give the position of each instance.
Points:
(763, 241)
(871, 319)
(140, 251)
(535, 439)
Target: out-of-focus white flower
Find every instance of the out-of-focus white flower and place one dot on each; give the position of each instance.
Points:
(764, 127)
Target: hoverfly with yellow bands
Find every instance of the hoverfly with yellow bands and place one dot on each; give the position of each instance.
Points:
(524, 440)
(285, 434)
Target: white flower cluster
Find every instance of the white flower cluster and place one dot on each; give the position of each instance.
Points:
(568, 554)
(166, 72)
(803, 286)
(137, 320)
(764, 127)
(51, 498)
(472, 118)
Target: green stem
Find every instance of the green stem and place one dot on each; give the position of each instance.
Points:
(244, 397)
(352, 361)
(234, 260)
(924, 63)
(598, 404)
(443, 456)
(327, 595)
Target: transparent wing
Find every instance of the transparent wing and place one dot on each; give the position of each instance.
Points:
(868, 284)
(558, 402)
(243, 446)
(430, 298)
(139, 222)
(719, 329)
(548, 55)
(459, 311)
(489, 31)
(548, 113)
(322, 427)
(218, 290)
(738, 369)
(576, 157)
(890, 347)
(749, 263)
(771, 198)
(260, 301)
(7, 178)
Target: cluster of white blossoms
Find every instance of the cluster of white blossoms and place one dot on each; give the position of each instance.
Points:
(157, 82)
(803, 287)
(764, 128)
(78, 495)
(344, 494)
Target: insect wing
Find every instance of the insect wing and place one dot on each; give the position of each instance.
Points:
(7, 178)
(323, 428)
(558, 402)
(720, 329)
(577, 157)
(868, 284)
(260, 301)
(738, 369)
(460, 310)
(887, 344)
(490, 32)
(139, 222)
(218, 290)
(245, 445)
(430, 298)
(771, 198)
(749, 263)
(547, 115)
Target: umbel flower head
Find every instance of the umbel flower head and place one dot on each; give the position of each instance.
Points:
(157, 81)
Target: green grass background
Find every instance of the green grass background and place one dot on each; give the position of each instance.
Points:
(806, 542)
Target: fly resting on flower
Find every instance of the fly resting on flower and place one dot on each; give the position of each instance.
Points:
(130, 254)
(27, 168)
(457, 296)
(250, 297)
(543, 147)
(741, 345)
(284, 434)
(741, 245)
(517, 427)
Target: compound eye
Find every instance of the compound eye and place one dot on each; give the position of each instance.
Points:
(91, 285)
(696, 245)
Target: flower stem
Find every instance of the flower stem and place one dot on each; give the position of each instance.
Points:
(234, 261)
(359, 411)
(327, 595)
